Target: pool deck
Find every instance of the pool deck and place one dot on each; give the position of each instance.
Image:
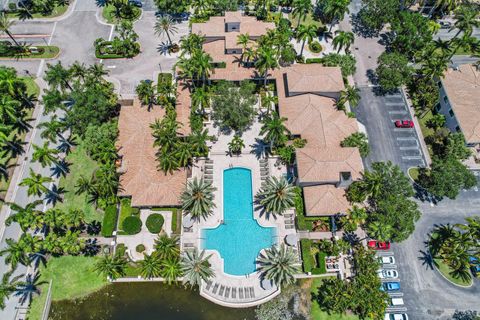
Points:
(221, 288)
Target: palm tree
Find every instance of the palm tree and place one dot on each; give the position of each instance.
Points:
(15, 253)
(78, 70)
(201, 98)
(243, 39)
(83, 185)
(57, 76)
(146, 93)
(167, 247)
(7, 287)
(112, 267)
(276, 195)
(447, 5)
(278, 264)
(472, 227)
(335, 10)
(44, 155)
(380, 231)
(350, 94)
(5, 24)
(236, 145)
(197, 199)
(97, 70)
(184, 154)
(8, 109)
(34, 183)
(306, 33)
(195, 267)
(191, 43)
(165, 25)
(24, 216)
(466, 19)
(52, 129)
(343, 39)
(266, 60)
(249, 55)
(274, 130)
(301, 8)
(26, 289)
(167, 162)
(150, 266)
(371, 183)
(171, 269)
(198, 142)
(267, 102)
(202, 63)
(465, 41)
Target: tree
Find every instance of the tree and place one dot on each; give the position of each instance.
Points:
(436, 121)
(393, 70)
(266, 60)
(334, 10)
(34, 183)
(5, 25)
(306, 33)
(7, 287)
(343, 39)
(243, 39)
(236, 145)
(301, 8)
(150, 266)
(16, 253)
(171, 269)
(146, 93)
(274, 130)
(167, 247)
(172, 6)
(111, 266)
(375, 13)
(278, 264)
(44, 155)
(345, 61)
(276, 196)
(196, 268)
(165, 25)
(197, 199)
(201, 98)
(350, 94)
(358, 140)
(57, 76)
(24, 216)
(466, 19)
(412, 33)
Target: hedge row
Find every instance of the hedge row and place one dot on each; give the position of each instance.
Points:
(109, 221)
(321, 268)
(132, 225)
(313, 60)
(308, 262)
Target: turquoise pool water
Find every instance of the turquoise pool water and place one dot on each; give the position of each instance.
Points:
(240, 238)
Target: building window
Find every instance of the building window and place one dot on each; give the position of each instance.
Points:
(457, 128)
(450, 112)
(445, 99)
(439, 84)
(438, 106)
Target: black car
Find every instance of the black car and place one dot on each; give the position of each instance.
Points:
(136, 3)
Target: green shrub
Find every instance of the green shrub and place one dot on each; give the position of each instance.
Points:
(140, 248)
(320, 268)
(315, 47)
(154, 222)
(306, 246)
(313, 60)
(109, 221)
(164, 78)
(120, 250)
(132, 225)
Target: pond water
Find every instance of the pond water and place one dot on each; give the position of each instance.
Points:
(144, 301)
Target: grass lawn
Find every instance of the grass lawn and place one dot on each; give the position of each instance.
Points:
(109, 11)
(422, 119)
(317, 314)
(445, 271)
(82, 165)
(126, 210)
(309, 19)
(176, 218)
(72, 276)
(57, 11)
(414, 173)
(49, 52)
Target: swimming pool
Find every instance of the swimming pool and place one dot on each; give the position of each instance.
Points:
(240, 238)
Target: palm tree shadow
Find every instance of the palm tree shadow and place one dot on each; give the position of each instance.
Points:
(163, 48)
(260, 149)
(427, 260)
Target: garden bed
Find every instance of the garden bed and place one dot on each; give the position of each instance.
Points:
(103, 51)
(176, 218)
(313, 259)
(130, 214)
(445, 272)
(108, 14)
(56, 12)
(44, 52)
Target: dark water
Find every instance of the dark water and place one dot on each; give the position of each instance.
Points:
(140, 301)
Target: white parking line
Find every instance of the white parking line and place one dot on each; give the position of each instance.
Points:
(407, 139)
(411, 157)
(398, 112)
(395, 104)
(403, 130)
(409, 148)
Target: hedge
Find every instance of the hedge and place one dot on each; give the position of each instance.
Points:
(313, 60)
(308, 263)
(162, 78)
(315, 47)
(321, 267)
(154, 222)
(109, 221)
(132, 225)
(140, 248)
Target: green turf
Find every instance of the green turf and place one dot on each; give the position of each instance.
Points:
(309, 19)
(414, 173)
(57, 11)
(82, 165)
(49, 52)
(108, 14)
(445, 271)
(317, 314)
(72, 276)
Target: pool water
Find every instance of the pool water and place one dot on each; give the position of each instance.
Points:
(240, 238)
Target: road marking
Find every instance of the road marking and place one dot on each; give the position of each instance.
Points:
(397, 309)
(398, 112)
(395, 294)
(411, 157)
(403, 129)
(409, 148)
(111, 67)
(395, 104)
(407, 139)
(51, 34)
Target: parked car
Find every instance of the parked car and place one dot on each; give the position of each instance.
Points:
(387, 274)
(390, 286)
(395, 302)
(379, 245)
(474, 266)
(444, 24)
(396, 316)
(390, 260)
(404, 124)
(136, 3)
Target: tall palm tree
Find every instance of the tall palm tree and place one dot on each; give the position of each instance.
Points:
(278, 264)
(371, 183)
(26, 289)
(266, 60)
(44, 155)
(248, 56)
(301, 8)
(150, 266)
(184, 154)
(24, 216)
(78, 70)
(201, 98)
(195, 267)
(165, 25)
(167, 161)
(5, 25)
(97, 70)
(171, 269)
(57, 76)
(243, 39)
(306, 33)
(83, 185)
(167, 247)
(465, 41)
(466, 19)
(343, 39)
(52, 129)
(350, 94)
(236, 145)
(191, 43)
(146, 93)
(472, 227)
(446, 5)
(7, 287)
(111, 266)
(197, 198)
(15, 253)
(276, 195)
(380, 231)
(34, 183)
(274, 130)
(202, 63)
(198, 142)
(268, 100)
(8, 109)
(335, 10)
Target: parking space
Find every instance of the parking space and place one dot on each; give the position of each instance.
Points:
(387, 142)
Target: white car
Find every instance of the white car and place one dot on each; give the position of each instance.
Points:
(395, 302)
(387, 274)
(396, 316)
(386, 260)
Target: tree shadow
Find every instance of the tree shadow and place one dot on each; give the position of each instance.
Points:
(351, 238)
(260, 149)
(423, 195)
(360, 29)
(163, 48)
(427, 260)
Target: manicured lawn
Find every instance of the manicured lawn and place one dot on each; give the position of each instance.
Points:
(32, 87)
(109, 11)
(309, 19)
(72, 276)
(414, 173)
(49, 52)
(126, 210)
(176, 218)
(57, 11)
(317, 314)
(445, 271)
(82, 165)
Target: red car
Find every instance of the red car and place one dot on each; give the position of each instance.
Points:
(379, 245)
(404, 124)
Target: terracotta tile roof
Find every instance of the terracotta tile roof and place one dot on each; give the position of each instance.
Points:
(304, 78)
(325, 200)
(324, 165)
(463, 90)
(141, 180)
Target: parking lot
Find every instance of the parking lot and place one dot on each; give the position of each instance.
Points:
(378, 114)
